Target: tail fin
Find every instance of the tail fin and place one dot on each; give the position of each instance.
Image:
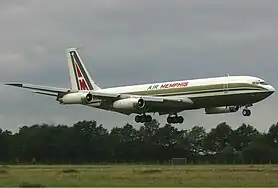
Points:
(79, 76)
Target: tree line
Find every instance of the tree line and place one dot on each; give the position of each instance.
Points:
(90, 142)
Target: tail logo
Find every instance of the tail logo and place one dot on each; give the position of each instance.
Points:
(82, 80)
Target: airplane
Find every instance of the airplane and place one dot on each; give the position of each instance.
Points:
(215, 95)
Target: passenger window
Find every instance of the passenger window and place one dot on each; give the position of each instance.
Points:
(256, 83)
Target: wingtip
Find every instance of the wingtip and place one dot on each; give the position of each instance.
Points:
(70, 49)
(14, 84)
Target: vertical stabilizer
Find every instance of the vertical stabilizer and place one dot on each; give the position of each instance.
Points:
(79, 75)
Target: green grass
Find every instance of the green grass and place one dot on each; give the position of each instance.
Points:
(139, 175)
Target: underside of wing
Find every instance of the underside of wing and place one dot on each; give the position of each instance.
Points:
(175, 101)
(102, 95)
(46, 93)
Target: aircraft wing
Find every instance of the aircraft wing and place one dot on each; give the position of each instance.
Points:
(151, 99)
(171, 100)
(44, 90)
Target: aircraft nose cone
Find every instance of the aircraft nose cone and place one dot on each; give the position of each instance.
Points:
(271, 89)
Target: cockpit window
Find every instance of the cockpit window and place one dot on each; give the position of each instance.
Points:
(263, 83)
(260, 82)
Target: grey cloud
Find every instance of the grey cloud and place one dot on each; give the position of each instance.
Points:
(130, 42)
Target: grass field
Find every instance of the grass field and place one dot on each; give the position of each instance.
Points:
(140, 175)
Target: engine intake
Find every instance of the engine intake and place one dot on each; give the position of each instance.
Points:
(89, 97)
(223, 109)
(141, 103)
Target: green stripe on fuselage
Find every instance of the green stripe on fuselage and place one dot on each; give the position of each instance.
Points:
(200, 89)
(209, 91)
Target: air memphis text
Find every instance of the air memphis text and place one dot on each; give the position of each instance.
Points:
(168, 85)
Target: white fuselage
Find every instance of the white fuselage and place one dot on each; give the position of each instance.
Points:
(206, 92)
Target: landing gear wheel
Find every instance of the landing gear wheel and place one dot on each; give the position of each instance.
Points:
(169, 119)
(143, 118)
(246, 112)
(148, 118)
(180, 119)
(175, 119)
(138, 119)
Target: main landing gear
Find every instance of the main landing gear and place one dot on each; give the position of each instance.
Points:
(175, 119)
(143, 118)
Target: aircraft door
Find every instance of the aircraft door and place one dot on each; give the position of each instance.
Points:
(226, 88)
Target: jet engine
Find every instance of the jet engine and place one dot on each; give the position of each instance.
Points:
(223, 109)
(129, 103)
(76, 98)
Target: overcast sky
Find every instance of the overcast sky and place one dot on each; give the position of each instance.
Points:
(130, 42)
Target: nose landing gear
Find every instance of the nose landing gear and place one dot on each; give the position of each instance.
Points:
(246, 111)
